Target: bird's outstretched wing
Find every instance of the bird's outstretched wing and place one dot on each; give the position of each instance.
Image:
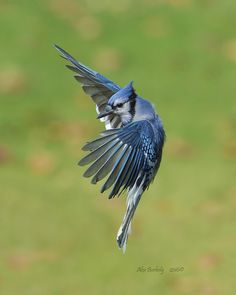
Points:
(97, 86)
(126, 154)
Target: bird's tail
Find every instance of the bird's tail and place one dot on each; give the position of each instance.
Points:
(134, 197)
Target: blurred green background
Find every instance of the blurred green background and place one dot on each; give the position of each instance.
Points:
(57, 233)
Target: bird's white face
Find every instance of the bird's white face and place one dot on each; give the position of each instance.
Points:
(124, 108)
(121, 107)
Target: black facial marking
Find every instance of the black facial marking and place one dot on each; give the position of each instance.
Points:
(133, 95)
(132, 101)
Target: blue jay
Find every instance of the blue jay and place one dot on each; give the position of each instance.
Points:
(129, 151)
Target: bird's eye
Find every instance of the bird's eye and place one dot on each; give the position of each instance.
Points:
(119, 105)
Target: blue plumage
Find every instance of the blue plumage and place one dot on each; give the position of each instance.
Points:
(129, 152)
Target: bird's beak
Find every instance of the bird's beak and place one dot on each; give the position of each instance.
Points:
(108, 111)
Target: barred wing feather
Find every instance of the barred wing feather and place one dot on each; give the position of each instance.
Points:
(121, 154)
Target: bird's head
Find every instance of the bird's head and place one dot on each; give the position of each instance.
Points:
(122, 104)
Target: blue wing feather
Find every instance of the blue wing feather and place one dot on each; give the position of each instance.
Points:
(81, 68)
(94, 84)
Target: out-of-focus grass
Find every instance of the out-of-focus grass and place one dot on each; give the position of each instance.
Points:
(57, 231)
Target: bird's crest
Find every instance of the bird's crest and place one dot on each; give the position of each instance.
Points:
(126, 93)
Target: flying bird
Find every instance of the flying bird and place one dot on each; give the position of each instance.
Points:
(129, 151)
